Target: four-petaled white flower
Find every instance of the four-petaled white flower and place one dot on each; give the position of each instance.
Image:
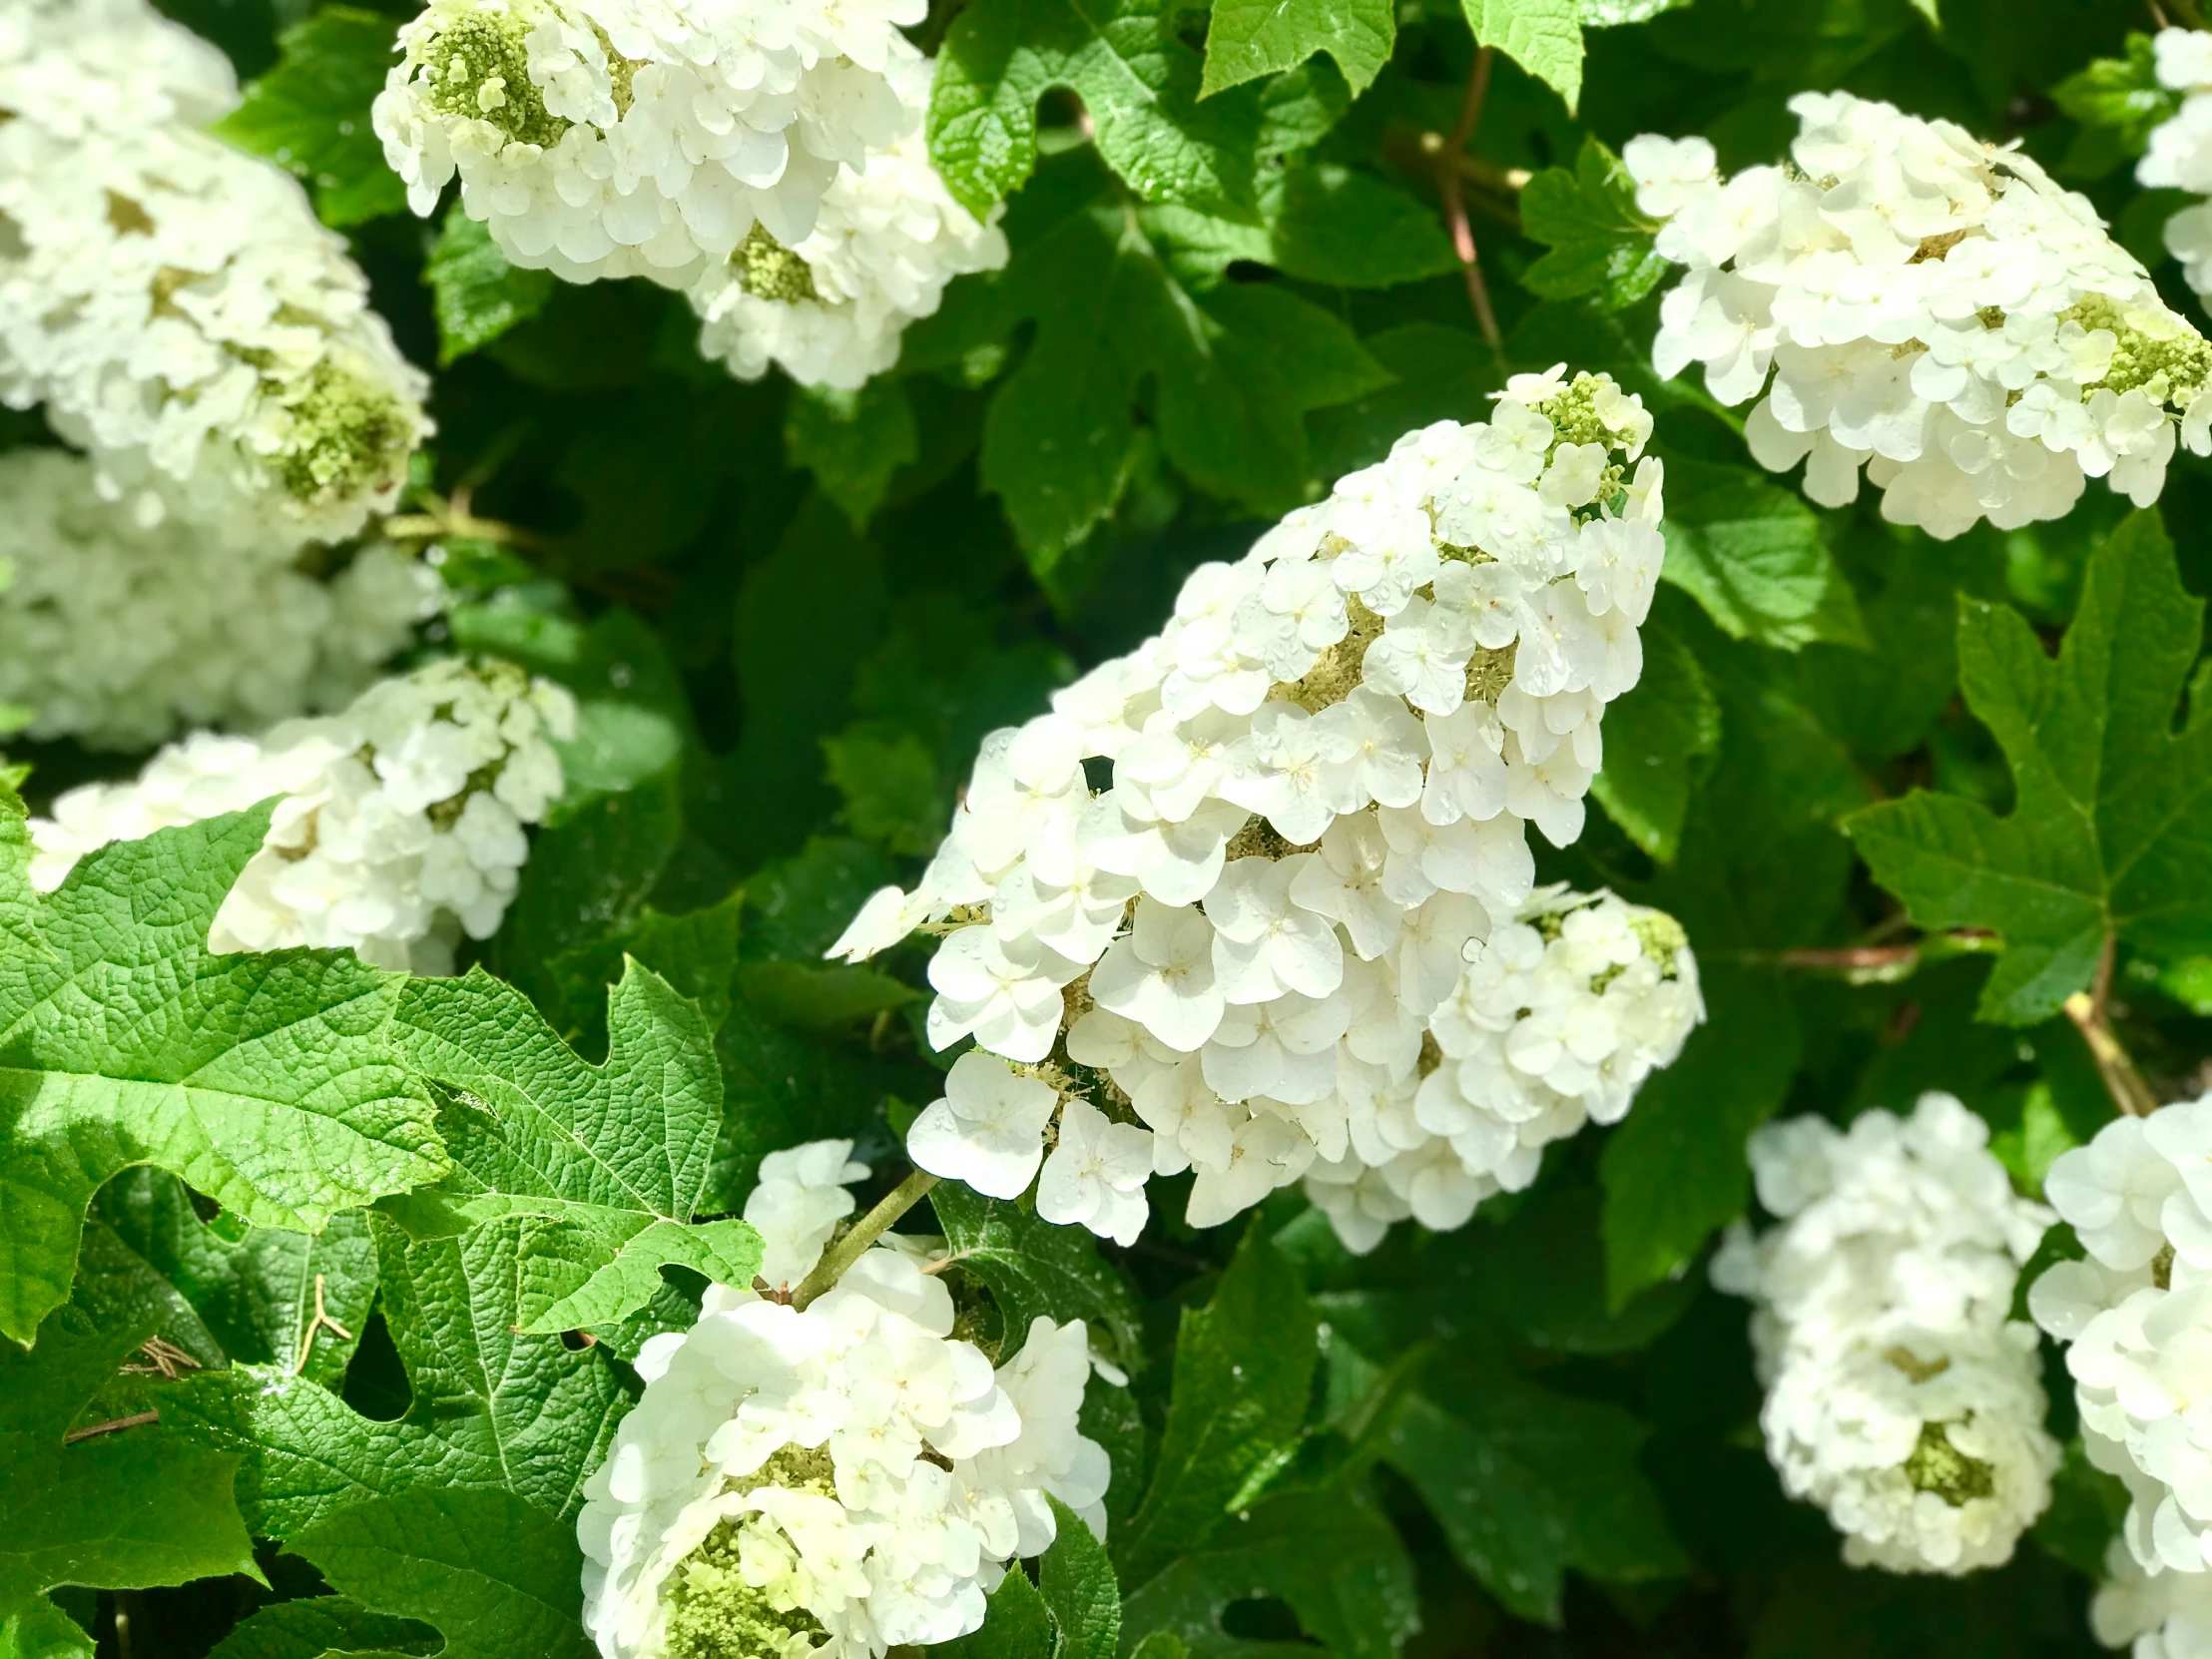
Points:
(988, 1130)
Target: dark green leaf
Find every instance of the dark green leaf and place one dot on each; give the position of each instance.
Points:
(1080, 1587)
(476, 294)
(1139, 85)
(1528, 1483)
(1599, 242)
(1251, 38)
(1752, 554)
(893, 793)
(1016, 1625)
(851, 441)
(323, 1624)
(1036, 1270)
(1328, 1556)
(2109, 835)
(311, 113)
(1243, 1366)
(1654, 736)
(496, 1577)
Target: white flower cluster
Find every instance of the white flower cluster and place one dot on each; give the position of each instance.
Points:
(1297, 936)
(830, 308)
(2180, 152)
(833, 1482)
(650, 137)
(401, 822)
(1900, 1396)
(92, 69)
(796, 1204)
(117, 633)
(1934, 310)
(177, 308)
(2137, 1318)
(2166, 1615)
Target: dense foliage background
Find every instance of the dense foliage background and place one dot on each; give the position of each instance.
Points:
(791, 617)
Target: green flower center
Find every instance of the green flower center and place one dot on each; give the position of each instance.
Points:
(714, 1611)
(770, 271)
(2168, 370)
(349, 434)
(478, 68)
(1936, 1466)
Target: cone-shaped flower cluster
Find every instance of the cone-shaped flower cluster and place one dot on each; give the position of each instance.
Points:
(1930, 309)
(1297, 932)
(648, 138)
(831, 308)
(400, 824)
(2180, 152)
(1900, 1396)
(174, 304)
(835, 1480)
(117, 633)
(2137, 1319)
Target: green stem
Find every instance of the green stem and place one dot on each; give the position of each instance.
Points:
(863, 1234)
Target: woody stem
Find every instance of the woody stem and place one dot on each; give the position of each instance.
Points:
(863, 1234)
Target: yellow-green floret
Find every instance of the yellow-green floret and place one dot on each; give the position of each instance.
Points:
(478, 67)
(770, 271)
(348, 434)
(1936, 1466)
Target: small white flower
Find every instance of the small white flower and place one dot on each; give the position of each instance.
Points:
(1095, 1176)
(988, 1130)
(1161, 975)
(801, 1196)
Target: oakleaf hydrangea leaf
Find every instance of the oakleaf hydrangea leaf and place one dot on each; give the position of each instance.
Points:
(1080, 1587)
(316, 1625)
(311, 113)
(1247, 39)
(475, 293)
(2110, 833)
(18, 907)
(1139, 84)
(497, 1577)
(131, 1506)
(2118, 102)
(1034, 1267)
(1243, 1368)
(1543, 36)
(261, 1080)
(489, 1405)
(1599, 242)
(602, 1165)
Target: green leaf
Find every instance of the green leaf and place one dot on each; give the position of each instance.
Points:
(1328, 1555)
(2087, 1507)
(695, 952)
(2109, 835)
(2123, 96)
(1599, 242)
(1244, 1365)
(256, 1295)
(1345, 228)
(19, 935)
(1752, 554)
(1654, 736)
(1016, 1625)
(488, 1405)
(311, 113)
(1036, 1270)
(852, 442)
(137, 1505)
(496, 1577)
(1527, 1483)
(893, 793)
(1233, 368)
(608, 1163)
(263, 1081)
(1080, 1587)
(318, 1625)
(1139, 85)
(1247, 39)
(475, 293)
(1543, 36)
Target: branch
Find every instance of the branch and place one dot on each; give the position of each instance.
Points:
(138, 1420)
(2091, 1012)
(1447, 174)
(863, 1234)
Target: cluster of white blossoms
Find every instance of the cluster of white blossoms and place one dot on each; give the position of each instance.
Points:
(832, 1480)
(1297, 936)
(831, 308)
(2136, 1317)
(2164, 1615)
(648, 138)
(1932, 309)
(174, 304)
(1900, 1397)
(117, 633)
(2180, 152)
(400, 826)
